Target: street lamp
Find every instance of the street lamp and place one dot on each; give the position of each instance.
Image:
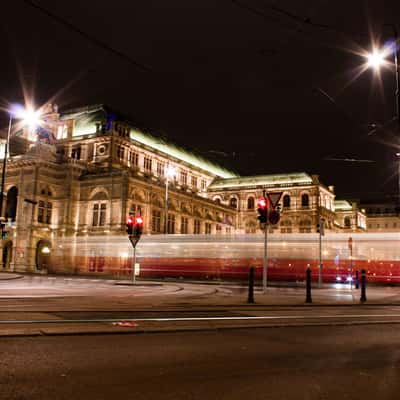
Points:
(28, 117)
(169, 173)
(377, 59)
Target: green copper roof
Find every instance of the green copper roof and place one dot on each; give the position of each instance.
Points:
(85, 124)
(342, 205)
(300, 178)
(85, 119)
(179, 153)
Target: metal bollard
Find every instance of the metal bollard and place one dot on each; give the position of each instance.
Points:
(357, 285)
(308, 286)
(250, 299)
(363, 297)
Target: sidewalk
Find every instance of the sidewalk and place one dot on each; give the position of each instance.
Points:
(5, 276)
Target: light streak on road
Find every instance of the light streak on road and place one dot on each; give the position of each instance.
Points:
(195, 319)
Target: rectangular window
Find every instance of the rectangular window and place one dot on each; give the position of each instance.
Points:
(184, 225)
(194, 181)
(120, 152)
(76, 153)
(41, 210)
(99, 214)
(160, 169)
(48, 212)
(95, 220)
(103, 209)
(183, 178)
(203, 184)
(218, 229)
(196, 227)
(62, 132)
(156, 221)
(133, 158)
(147, 164)
(171, 223)
(208, 228)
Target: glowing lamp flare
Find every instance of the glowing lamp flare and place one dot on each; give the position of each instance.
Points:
(139, 220)
(376, 59)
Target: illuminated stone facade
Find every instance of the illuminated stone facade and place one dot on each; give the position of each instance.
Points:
(84, 170)
(304, 199)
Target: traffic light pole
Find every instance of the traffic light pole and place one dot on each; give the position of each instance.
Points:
(265, 261)
(134, 266)
(320, 240)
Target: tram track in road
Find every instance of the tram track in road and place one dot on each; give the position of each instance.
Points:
(141, 321)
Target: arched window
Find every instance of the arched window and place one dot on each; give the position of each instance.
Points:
(305, 200)
(347, 222)
(217, 200)
(99, 210)
(12, 201)
(250, 203)
(286, 201)
(233, 202)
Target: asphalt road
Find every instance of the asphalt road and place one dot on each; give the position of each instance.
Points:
(354, 362)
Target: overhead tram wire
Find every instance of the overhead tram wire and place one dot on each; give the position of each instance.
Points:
(87, 36)
(306, 21)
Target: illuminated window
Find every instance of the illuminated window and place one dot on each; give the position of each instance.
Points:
(147, 164)
(62, 132)
(156, 221)
(99, 214)
(184, 225)
(183, 177)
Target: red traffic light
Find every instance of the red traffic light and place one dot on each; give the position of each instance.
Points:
(130, 220)
(139, 220)
(262, 203)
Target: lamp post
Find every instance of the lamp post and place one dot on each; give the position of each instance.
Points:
(375, 60)
(32, 119)
(169, 173)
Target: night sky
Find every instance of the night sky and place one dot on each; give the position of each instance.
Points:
(260, 86)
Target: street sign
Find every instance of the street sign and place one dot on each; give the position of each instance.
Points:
(274, 198)
(134, 240)
(274, 217)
